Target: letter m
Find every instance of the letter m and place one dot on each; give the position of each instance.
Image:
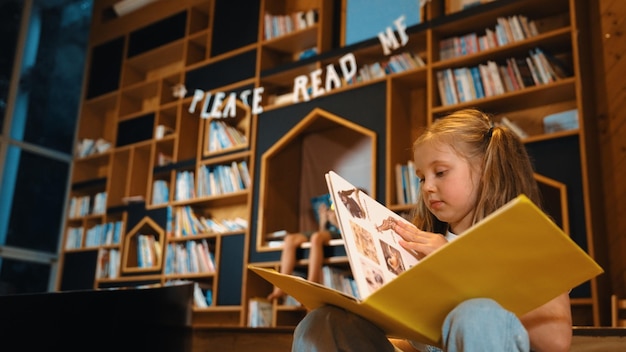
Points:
(388, 40)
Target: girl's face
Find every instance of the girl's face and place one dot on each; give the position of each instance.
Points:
(448, 184)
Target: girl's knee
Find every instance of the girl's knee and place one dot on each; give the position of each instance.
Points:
(328, 315)
(320, 238)
(474, 311)
(481, 319)
(476, 306)
(330, 328)
(294, 239)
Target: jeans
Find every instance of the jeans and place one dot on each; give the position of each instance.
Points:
(474, 325)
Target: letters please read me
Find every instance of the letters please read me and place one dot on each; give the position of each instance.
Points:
(305, 87)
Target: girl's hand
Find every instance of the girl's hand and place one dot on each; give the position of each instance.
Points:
(421, 242)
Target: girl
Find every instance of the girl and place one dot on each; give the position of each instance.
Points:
(467, 170)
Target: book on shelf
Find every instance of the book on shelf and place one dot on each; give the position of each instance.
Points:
(101, 145)
(277, 25)
(508, 123)
(260, 312)
(306, 53)
(201, 297)
(90, 146)
(526, 74)
(162, 131)
(74, 237)
(164, 159)
(561, 121)
(133, 199)
(477, 81)
(85, 147)
(401, 185)
(497, 258)
(108, 263)
(462, 84)
(340, 279)
(407, 183)
(276, 235)
(102, 270)
(506, 79)
(488, 85)
(160, 192)
(494, 77)
(117, 231)
(205, 256)
(285, 98)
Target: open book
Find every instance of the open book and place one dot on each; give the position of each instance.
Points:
(516, 256)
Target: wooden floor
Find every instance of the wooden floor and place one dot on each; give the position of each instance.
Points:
(279, 340)
(242, 339)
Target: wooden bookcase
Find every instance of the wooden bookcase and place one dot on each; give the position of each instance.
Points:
(137, 62)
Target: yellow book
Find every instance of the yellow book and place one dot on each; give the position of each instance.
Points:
(516, 256)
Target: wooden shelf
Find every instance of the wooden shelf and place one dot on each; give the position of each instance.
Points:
(129, 100)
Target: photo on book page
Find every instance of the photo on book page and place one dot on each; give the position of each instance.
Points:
(367, 229)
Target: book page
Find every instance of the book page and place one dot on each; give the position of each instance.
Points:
(372, 246)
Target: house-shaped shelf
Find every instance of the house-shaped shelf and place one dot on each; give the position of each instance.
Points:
(292, 170)
(554, 197)
(143, 248)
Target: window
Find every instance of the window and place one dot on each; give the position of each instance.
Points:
(366, 18)
(41, 76)
(10, 14)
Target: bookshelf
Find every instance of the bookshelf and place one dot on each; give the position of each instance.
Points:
(138, 62)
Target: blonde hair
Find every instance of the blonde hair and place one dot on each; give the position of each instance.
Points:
(494, 151)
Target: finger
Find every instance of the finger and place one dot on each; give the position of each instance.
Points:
(413, 248)
(411, 233)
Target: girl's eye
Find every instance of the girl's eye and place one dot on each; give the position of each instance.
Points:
(440, 173)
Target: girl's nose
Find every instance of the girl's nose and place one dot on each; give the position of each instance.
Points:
(427, 186)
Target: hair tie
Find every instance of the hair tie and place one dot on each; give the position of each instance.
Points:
(489, 133)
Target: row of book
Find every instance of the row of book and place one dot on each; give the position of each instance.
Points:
(160, 192)
(407, 183)
(202, 297)
(463, 84)
(507, 30)
(148, 250)
(394, 64)
(90, 146)
(212, 180)
(185, 222)
(104, 234)
(222, 179)
(340, 279)
(83, 206)
(74, 237)
(223, 136)
(190, 257)
(185, 189)
(108, 263)
(278, 25)
(260, 313)
(554, 122)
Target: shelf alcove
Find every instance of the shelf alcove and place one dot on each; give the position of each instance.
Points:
(554, 198)
(292, 170)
